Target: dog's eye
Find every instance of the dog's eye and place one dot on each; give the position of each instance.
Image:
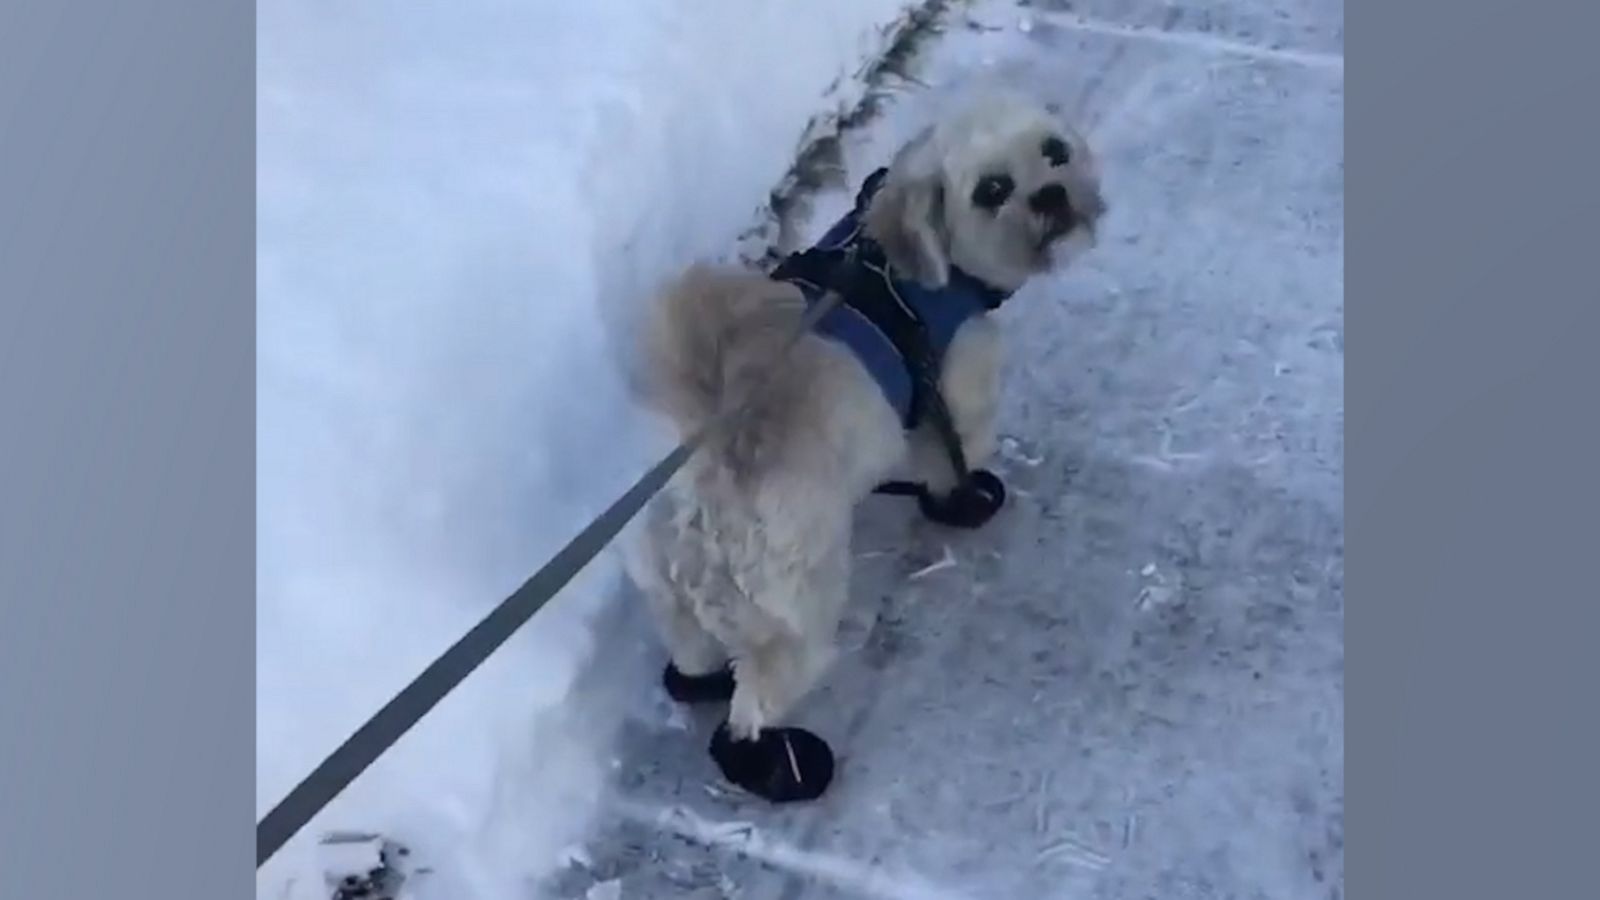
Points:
(1055, 150)
(992, 191)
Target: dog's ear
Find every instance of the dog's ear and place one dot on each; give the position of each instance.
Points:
(906, 218)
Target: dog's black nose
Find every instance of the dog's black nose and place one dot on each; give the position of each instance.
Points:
(1050, 200)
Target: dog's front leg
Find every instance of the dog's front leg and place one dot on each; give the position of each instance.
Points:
(970, 385)
(698, 670)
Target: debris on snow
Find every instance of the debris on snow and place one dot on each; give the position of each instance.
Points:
(948, 562)
(575, 855)
(358, 864)
(722, 791)
(676, 719)
(729, 832)
(1011, 449)
(1157, 591)
(1075, 853)
(351, 854)
(1153, 595)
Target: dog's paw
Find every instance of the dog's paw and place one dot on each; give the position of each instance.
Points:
(783, 765)
(713, 687)
(970, 505)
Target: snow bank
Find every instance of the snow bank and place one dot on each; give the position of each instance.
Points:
(456, 202)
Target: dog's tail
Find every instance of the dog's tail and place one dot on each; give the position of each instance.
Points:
(710, 337)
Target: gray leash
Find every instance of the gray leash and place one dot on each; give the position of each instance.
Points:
(442, 676)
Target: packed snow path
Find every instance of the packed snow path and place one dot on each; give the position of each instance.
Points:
(1130, 684)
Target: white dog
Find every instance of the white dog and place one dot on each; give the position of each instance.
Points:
(745, 555)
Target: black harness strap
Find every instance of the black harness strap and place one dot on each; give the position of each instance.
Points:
(910, 335)
(859, 272)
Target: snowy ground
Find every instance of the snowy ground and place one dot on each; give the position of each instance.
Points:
(1131, 684)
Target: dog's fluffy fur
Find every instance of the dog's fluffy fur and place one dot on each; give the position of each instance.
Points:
(745, 556)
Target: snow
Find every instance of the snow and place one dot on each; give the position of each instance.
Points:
(458, 205)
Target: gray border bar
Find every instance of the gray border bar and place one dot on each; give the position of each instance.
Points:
(1473, 313)
(126, 405)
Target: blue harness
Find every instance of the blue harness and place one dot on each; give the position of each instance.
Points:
(899, 329)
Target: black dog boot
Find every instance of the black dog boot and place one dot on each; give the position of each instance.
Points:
(970, 505)
(973, 503)
(712, 687)
(783, 765)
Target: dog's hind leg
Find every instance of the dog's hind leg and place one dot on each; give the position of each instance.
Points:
(770, 680)
(755, 749)
(699, 671)
(777, 762)
(663, 562)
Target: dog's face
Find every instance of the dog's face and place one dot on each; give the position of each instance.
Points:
(1002, 191)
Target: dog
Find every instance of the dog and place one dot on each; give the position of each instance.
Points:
(744, 556)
